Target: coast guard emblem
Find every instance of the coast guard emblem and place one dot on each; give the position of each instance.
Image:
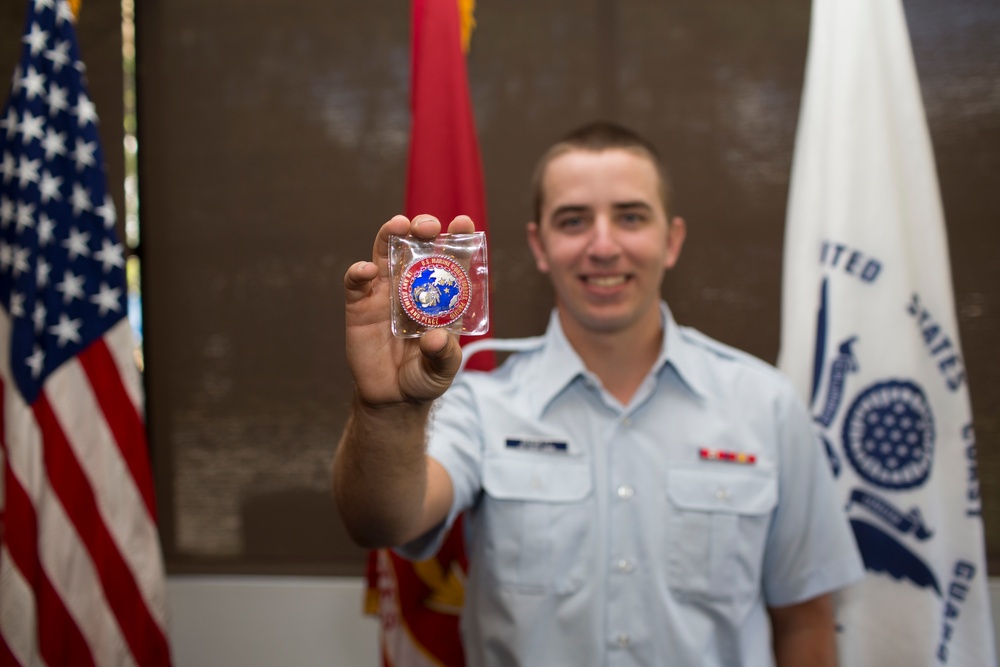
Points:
(889, 435)
(434, 291)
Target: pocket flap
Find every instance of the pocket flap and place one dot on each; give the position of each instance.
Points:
(543, 478)
(735, 492)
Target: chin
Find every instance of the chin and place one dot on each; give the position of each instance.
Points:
(606, 322)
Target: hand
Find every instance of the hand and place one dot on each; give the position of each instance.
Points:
(389, 370)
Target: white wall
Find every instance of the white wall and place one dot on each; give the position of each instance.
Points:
(287, 621)
(269, 621)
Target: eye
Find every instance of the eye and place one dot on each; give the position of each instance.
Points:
(569, 223)
(632, 218)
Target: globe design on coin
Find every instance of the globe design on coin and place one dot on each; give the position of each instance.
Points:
(434, 291)
(889, 435)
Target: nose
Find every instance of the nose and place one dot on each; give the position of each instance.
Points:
(603, 246)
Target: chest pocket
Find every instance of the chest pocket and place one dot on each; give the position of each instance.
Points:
(717, 530)
(536, 521)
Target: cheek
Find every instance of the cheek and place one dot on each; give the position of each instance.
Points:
(558, 255)
(564, 260)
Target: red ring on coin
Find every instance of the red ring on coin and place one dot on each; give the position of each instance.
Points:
(434, 291)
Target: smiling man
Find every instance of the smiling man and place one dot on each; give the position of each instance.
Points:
(635, 493)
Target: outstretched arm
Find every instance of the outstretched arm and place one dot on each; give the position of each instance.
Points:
(387, 490)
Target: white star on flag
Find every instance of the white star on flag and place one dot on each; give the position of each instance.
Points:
(20, 262)
(107, 299)
(17, 304)
(27, 171)
(36, 39)
(38, 316)
(85, 110)
(71, 286)
(48, 188)
(59, 56)
(67, 330)
(8, 167)
(58, 99)
(81, 199)
(54, 144)
(76, 244)
(46, 227)
(25, 215)
(42, 273)
(83, 154)
(31, 127)
(36, 361)
(111, 255)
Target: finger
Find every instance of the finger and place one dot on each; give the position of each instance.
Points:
(425, 226)
(462, 224)
(398, 226)
(358, 279)
(442, 352)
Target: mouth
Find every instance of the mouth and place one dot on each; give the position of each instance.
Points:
(605, 282)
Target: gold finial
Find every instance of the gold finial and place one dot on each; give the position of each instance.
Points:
(466, 8)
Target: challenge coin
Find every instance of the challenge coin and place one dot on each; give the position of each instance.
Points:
(434, 291)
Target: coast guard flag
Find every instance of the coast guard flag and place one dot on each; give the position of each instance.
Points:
(870, 337)
(81, 576)
(419, 604)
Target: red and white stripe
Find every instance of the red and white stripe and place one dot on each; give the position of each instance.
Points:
(81, 571)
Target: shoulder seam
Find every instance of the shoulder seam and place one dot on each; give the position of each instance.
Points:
(725, 350)
(500, 345)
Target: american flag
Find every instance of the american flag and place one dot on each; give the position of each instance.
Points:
(81, 572)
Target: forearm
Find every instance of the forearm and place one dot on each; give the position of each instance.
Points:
(380, 473)
(813, 648)
(805, 634)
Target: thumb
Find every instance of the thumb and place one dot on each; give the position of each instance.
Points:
(442, 354)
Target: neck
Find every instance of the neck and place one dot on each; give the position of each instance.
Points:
(620, 359)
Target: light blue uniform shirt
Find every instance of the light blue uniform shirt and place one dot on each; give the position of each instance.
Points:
(599, 534)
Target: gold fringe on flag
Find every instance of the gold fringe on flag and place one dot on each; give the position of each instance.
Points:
(74, 5)
(466, 9)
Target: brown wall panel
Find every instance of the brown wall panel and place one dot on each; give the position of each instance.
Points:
(273, 142)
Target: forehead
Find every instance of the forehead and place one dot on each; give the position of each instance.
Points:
(581, 177)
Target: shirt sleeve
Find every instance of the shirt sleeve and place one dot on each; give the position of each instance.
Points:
(455, 440)
(811, 548)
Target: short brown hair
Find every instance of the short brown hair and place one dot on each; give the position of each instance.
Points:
(596, 137)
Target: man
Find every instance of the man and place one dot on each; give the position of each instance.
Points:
(636, 493)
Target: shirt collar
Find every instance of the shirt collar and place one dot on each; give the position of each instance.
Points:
(681, 354)
(559, 364)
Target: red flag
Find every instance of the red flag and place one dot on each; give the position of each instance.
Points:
(81, 572)
(419, 603)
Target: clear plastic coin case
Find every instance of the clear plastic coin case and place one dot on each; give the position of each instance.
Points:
(442, 283)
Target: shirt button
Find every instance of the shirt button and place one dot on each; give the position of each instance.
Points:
(624, 565)
(627, 422)
(623, 640)
(722, 493)
(625, 491)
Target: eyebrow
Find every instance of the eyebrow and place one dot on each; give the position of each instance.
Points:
(618, 206)
(569, 208)
(632, 204)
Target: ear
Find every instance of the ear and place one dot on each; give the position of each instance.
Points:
(537, 247)
(676, 233)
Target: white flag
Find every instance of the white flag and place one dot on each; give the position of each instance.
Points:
(869, 336)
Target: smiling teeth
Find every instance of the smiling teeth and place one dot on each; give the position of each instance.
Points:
(606, 281)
